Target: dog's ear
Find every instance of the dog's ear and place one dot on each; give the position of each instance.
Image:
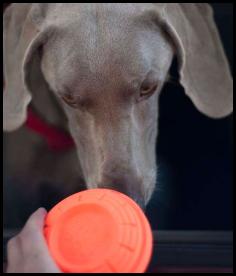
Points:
(23, 34)
(203, 67)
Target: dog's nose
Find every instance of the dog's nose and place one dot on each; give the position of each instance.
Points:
(131, 189)
(137, 198)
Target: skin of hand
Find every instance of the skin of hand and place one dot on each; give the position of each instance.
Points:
(28, 252)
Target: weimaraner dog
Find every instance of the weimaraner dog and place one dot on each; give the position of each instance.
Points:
(97, 70)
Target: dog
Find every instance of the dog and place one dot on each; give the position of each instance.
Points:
(96, 70)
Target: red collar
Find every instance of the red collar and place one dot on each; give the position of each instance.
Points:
(55, 138)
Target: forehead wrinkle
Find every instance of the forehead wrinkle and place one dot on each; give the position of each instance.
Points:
(106, 39)
(105, 49)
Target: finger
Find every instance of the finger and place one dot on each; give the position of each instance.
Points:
(14, 250)
(34, 223)
(32, 235)
(36, 220)
(29, 249)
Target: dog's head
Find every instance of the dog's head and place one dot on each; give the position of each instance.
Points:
(107, 63)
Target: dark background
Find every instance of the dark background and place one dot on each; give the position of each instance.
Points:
(195, 159)
(195, 156)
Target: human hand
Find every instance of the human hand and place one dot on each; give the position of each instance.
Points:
(28, 251)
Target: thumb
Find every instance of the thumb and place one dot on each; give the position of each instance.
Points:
(36, 220)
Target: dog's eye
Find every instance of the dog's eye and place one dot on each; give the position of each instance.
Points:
(147, 89)
(70, 100)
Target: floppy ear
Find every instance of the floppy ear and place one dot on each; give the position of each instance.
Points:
(22, 36)
(204, 70)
